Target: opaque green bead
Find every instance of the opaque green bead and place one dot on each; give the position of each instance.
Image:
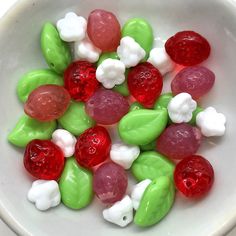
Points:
(28, 129)
(151, 165)
(141, 127)
(195, 113)
(163, 100)
(56, 52)
(122, 89)
(34, 79)
(136, 106)
(75, 185)
(75, 119)
(107, 55)
(149, 147)
(156, 202)
(141, 31)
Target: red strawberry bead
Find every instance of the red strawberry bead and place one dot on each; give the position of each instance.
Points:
(80, 80)
(194, 176)
(44, 160)
(188, 48)
(145, 83)
(93, 147)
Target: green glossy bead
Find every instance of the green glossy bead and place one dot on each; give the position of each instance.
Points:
(56, 52)
(28, 129)
(195, 113)
(149, 147)
(122, 89)
(141, 31)
(151, 165)
(75, 119)
(156, 202)
(141, 127)
(107, 55)
(76, 185)
(136, 106)
(34, 79)
(163, 100)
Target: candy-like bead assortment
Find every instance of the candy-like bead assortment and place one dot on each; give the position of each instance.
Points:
(106, 132)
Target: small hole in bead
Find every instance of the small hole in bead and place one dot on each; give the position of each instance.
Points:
(124, 218)
(52, 64)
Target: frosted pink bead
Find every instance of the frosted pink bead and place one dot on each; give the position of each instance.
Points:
(107, 107)
(110, 182)
(104, 30)
(179, 141)
(195, 80)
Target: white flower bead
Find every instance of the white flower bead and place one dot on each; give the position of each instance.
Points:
(111, 72)
(181, 107)
(72, 28)
(121, 213)
(86, 50)
(65, 140)
(161, 60)
(45, 194)
(138, 191)
(211, 122)
(124, 154)
(130, 52)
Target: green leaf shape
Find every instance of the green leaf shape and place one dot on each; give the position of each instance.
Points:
(107, 55)
(75, 119)
(136, 106)
(141, 127)
(152, 165)
(28, 129)
(34, 79)
(163, 100)
(195, 113)
(141, 31)
(56, 52)
(76, 185)
(156, 202)
(122, 89)
(149, 147)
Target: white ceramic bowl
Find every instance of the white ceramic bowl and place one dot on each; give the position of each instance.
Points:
(20, 52)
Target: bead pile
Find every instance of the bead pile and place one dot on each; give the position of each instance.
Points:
(94, 115)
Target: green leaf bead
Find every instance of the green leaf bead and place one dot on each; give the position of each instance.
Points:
(34, 79)
(195, 113)
(141, 127)
(56, 52)
(141, 31)
(28, 129)
(163, 100)
(136, 106)
(151, 165)
(156, 202)
(122, 89)
(149, 147)
(107, 55)
(76, 185)
(75, 119)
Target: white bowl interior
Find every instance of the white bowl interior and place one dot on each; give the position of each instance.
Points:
(20, 53)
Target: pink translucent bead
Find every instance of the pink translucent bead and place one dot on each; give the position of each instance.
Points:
(179, 141)
(195, 80)
(104, 30)
(110, 182)
(107, 107)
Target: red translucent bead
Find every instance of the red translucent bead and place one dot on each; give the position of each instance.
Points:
(194, 176)
(47, 102)
(104, 30)
(188, 48)
(107, 107)
(80, 80)
(93, 147)
(179, 141)
(195, 80)
(110, 182)
(145, 83)
(44, 160)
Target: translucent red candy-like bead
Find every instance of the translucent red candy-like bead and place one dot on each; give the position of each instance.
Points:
(145, 83)
(80, 80)
(194, 176)
(195, 80)
(44, 160)
(110, 182)
(93, 147)
(104, 30)
(47, 102)
(107, 107)
(188, 48)
(179, 141)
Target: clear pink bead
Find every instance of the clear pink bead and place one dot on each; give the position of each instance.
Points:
(107, 107)
(110, 183)
(179, 141)
(195, 80)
